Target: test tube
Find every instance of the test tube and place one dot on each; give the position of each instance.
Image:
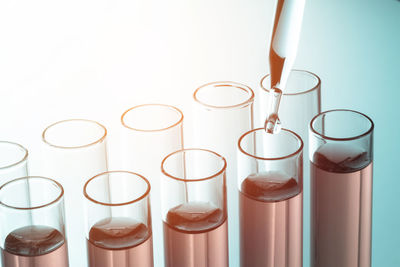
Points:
(13, 161)
(301, 101)
(118, 220)
(73, 151)
(194, 209)
(282, 53)
(223, 111)
(32, 223)
(341, 152)
(270, 180)
(150, 132)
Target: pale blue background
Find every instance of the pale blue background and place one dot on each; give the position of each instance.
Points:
(96, 58)
(356, 52)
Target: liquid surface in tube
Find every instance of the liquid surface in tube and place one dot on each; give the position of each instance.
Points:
(35, 245)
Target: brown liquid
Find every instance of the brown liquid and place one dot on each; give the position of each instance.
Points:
(341, 207)
(271, 221)
(36, 245)
(195, 235)
(120, 242)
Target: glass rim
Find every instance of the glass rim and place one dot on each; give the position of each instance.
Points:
(298, 150)
(145, 194)
(101, 139)
(315, 87)
(218, 173)
(367, 132)
(241, 86)
(23, 159)
(179, 112)
(54, 182)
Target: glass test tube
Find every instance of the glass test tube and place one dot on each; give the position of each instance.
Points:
(150, 132)
(300, 102)
(341, 188)
(194, 209)
(270, 180)
(32, 223)
(118, 220)
(13, 161)
(223, 112)
(73, 151)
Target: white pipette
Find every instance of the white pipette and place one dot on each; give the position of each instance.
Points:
(283, 48)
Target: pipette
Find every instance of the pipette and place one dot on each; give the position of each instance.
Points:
(282, 53)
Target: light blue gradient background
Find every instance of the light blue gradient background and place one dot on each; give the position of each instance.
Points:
(354, 46)
(96, 58)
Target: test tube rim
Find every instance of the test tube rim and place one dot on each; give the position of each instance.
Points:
(180, 120)
(145, 194)
(314, 131)
(298, 151)
(100, 140)
(221, 171)
(317, 86)
(241, 86)
(56, 200)
(23, 159)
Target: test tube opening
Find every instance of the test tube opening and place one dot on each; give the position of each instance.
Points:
(32, 229)
(151, 117)
(224, 95)
(12, 154)
(74, 134)
(118, 219)
(341, 159)
(299, 82)
(270, 185)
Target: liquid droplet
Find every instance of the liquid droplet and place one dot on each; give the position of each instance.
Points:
(273, 124)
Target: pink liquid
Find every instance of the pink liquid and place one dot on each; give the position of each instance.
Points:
(341, 201)
(120, 242)
(195, 235)
(271, 222)
(36, 245)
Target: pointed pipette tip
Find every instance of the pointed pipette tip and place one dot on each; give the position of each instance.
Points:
(273, 124)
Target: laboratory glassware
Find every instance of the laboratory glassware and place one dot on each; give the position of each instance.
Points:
(13, 161)
(194, 209)
(73, 151)
(151, 132)
(341, 155)
(32, 229)
(118, 220)
(300, 102)
(223, 111)
(282, 53)
(270, 182)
